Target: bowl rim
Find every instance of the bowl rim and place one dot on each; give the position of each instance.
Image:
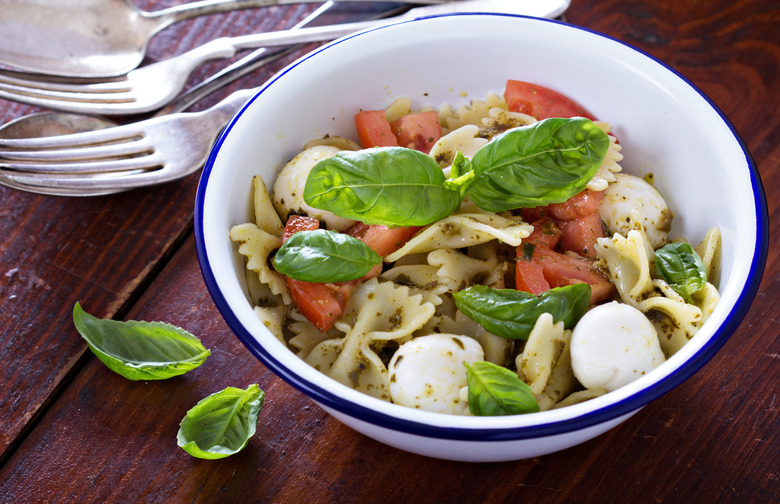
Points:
(603, 414)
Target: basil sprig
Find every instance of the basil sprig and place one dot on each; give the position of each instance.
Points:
(222, 423)
(545, 162)
(140, 350)
(324, 256)
(682, 268)
(495, 390)
(512, 314)
(393, 186)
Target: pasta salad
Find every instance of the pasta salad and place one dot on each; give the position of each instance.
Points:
(489, 259)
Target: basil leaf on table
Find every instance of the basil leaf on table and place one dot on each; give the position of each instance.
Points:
(222, 423)
(682, 268)
(546, 162)
(391, 186)
(140, 350)
(324, 256)
(495, 390)
(512, 314)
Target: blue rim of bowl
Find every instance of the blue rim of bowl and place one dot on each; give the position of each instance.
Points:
(605, 414)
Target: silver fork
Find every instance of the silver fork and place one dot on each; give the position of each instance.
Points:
(150, 87)
(116, 159)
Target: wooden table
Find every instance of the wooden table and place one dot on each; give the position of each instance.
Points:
(73, 431)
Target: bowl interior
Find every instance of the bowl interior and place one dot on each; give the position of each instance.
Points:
(664, 125)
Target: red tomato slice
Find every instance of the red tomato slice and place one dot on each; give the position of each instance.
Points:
(546, 233)
(558, 270)
(529, 276)
(317, 302)
(297, 223)
(579, 205)
(563, 269)
(541, 102)
(382, 239)
(417, 131)
(373, 130)
(580, 235)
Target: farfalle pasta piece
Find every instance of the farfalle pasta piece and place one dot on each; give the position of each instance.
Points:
(423, 277)
(709, 251)
(628, 260)
(305, 335)
(273, 318)
(398, 108)
(266, 217)
(465, 139)
(580, 396)
(610, 165)
(457, 270)
(464, 230)
(377, 312)
(499, 120)
(257, 245)
(542, 350)
(452, 119)
(675, 320)
(561, 383)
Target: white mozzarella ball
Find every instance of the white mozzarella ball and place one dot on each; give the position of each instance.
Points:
(612, 345)
(288, 188)
(428, 372)
(629, 193)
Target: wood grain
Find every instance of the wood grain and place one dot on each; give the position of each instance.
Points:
(72, 431)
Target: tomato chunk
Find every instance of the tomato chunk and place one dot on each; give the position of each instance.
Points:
(529, 274)
(563, 269)
(546, 233)
(581, 204)
(580, 235)
(417, 131)
(541, 102)
(559, 270)
(297, 223)
(382, 239)
(374, 130)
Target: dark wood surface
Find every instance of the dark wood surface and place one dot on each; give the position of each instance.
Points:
(73, 431)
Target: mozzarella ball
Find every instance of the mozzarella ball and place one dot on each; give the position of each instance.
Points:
(629, 193)
(612, 345)
(428, 372)
(289, 185)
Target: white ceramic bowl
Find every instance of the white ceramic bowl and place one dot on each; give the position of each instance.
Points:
(665, 125)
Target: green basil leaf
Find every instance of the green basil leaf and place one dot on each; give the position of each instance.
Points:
(392, 186)
(512, 314)
(495, 390)
(324, 256)
(546, 162)
(222, 423)
(461, 165)
(140, 350)
(682, 268)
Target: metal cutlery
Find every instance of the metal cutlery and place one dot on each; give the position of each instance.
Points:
(149, 88)
(96, 38)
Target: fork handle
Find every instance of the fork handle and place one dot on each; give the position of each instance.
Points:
(166, 17)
